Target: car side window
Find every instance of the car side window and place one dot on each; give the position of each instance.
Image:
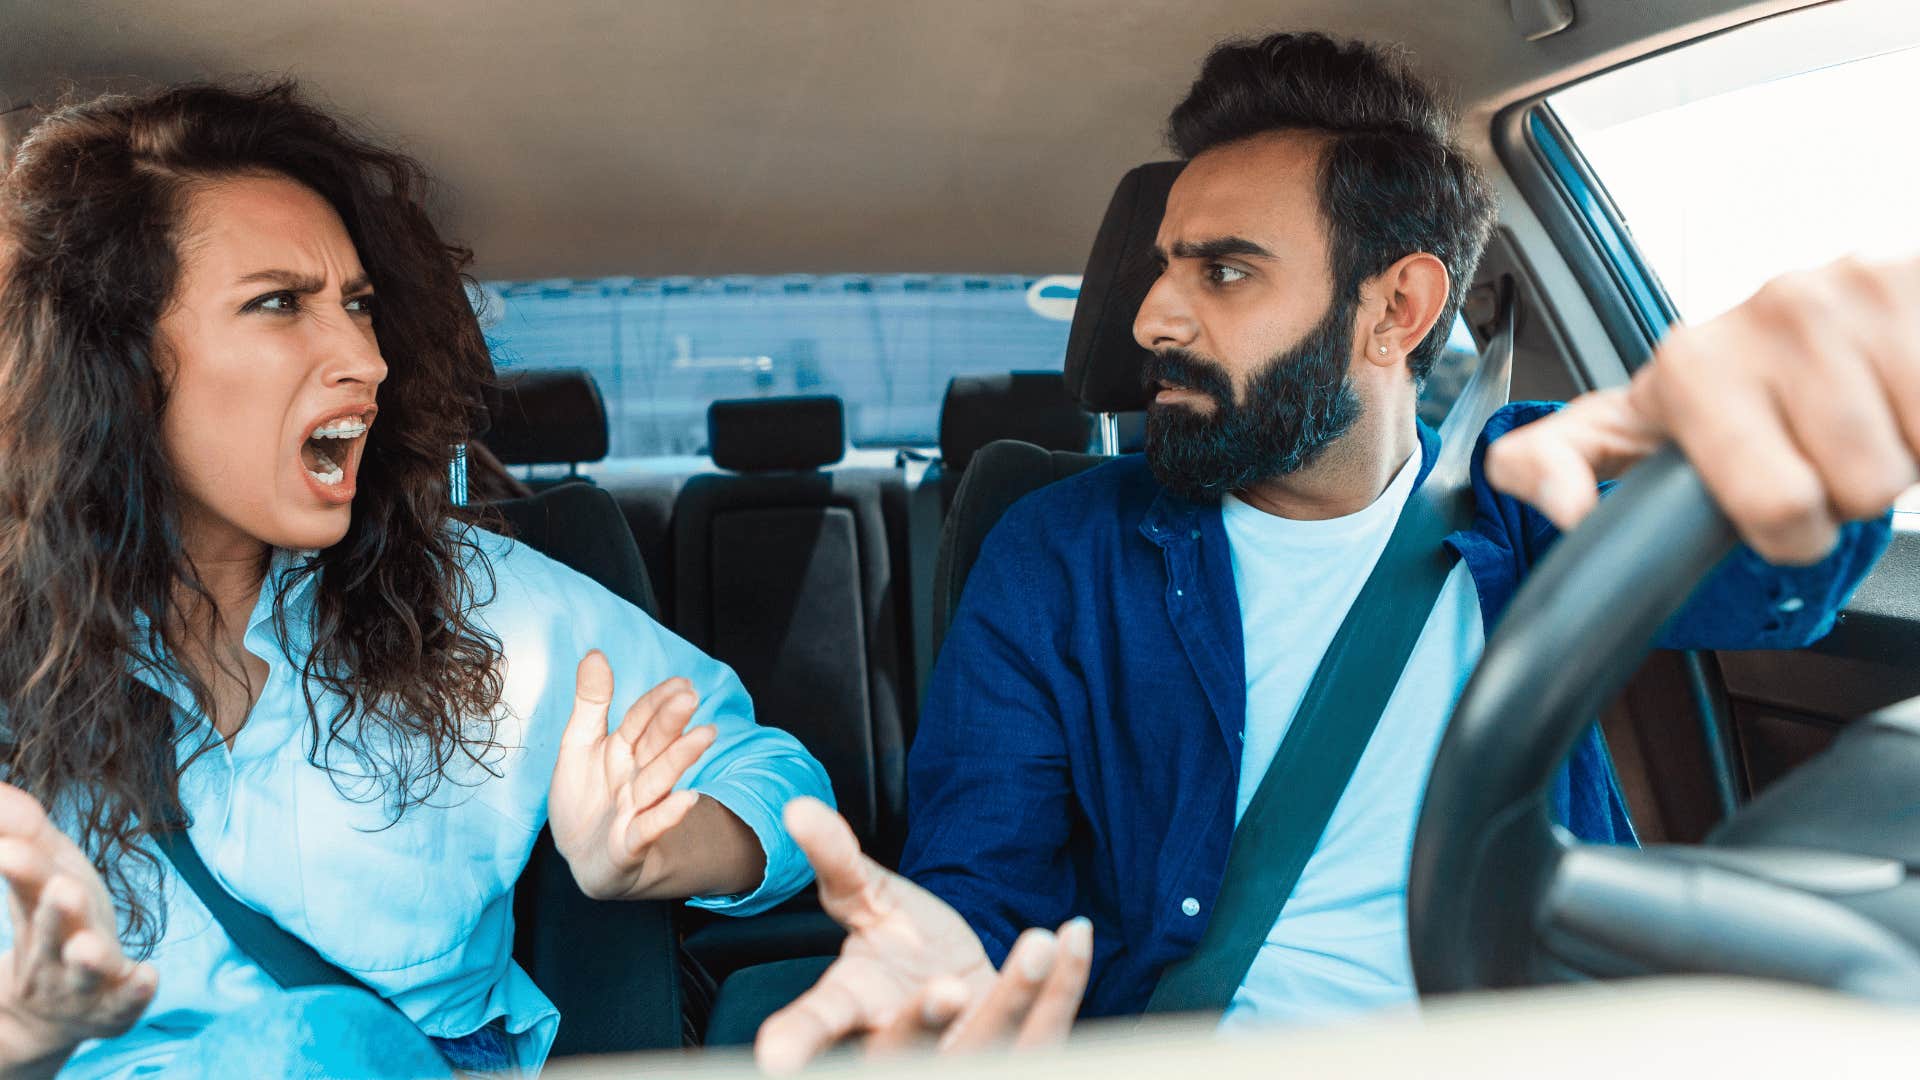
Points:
(1769, 148)
(1451, 370)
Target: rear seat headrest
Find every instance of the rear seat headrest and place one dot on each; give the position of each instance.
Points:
(553, 416)
(776, 434)
(1031, 406)
(1104, 363)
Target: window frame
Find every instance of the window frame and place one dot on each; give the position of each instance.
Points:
(1562, 190)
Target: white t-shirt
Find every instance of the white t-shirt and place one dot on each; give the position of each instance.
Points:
(1340, 945)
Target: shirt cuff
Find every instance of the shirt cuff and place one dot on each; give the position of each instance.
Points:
(787, 869)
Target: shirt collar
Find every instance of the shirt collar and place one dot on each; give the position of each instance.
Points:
(158, 672)
(1171, 517)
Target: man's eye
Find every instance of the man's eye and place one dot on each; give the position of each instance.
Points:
(1223, 275)
(280, 303)
(362, 305)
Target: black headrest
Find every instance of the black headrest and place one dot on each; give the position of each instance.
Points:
(1103, 361)
(546, 417)
(1031, 406)
(776, 434)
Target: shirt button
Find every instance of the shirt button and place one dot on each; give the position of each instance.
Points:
(1790, 605)
(1190, 907)
(1194, 535)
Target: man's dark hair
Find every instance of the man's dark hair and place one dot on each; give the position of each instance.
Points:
(1393, 181)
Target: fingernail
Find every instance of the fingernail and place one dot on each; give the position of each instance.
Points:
(1038, 959)
(1077, 936)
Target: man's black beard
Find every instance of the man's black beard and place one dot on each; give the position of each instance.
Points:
(1296, 406)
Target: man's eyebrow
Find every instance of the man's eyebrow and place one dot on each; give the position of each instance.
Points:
(1218, 247)
(303, 284)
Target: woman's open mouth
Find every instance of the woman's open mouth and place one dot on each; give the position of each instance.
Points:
(330, 454)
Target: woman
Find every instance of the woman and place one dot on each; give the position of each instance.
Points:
(234, 358)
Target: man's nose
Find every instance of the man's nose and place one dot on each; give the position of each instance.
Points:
(1164, 321)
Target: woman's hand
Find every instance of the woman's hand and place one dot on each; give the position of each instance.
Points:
(66, 979)
(912, 972)
(612, 799)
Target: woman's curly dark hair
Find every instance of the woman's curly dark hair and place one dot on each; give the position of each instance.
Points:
(93, 575)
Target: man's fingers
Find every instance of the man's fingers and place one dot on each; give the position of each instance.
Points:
(998, 1016)
(1829, 341)
(639, 728)
(849, 881)
(592, 694)
(1058, 1002)
(922, 1021)
(1890, 294)
(1556, 463)
(816, 1020)
(1544, 472)
(1736, 438)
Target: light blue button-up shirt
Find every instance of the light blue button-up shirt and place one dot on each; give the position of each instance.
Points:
(421, 909)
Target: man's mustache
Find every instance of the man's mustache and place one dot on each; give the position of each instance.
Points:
(1178, 367)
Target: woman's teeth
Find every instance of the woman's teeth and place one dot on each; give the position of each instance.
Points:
(328, 473)
(340, 429)
(324, 469)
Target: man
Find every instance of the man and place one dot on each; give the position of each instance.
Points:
(1133, 642)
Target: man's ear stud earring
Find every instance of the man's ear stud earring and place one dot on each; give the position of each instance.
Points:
(1383, 350)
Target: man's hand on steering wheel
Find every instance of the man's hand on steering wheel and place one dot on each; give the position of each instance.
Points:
(1800, 409)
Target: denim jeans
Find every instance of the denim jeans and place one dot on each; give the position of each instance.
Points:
(310, 1034)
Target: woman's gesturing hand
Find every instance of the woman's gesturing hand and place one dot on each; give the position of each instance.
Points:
(612, 797)
(66, 979)
(912, 972)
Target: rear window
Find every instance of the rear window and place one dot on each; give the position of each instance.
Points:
(887, 344)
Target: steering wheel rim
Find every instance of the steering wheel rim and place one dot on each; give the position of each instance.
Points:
(1486, 851)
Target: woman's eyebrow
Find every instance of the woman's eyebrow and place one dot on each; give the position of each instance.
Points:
(303, 284)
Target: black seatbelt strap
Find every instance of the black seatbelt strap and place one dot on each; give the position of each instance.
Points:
(290, 961)
(285, 958)
(1337, 716)
(1330, 730)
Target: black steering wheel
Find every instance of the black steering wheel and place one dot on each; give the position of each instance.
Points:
(1817, 881)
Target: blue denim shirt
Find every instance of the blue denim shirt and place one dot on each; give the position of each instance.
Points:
(1080, 746)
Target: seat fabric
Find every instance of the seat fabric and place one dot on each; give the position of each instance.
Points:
(611, 967)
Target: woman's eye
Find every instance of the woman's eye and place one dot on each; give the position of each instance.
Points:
(280, 303)
(1224, 275)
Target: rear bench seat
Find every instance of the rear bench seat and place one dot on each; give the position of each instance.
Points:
(793, 569)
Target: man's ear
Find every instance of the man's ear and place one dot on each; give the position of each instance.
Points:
(1415, 291)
